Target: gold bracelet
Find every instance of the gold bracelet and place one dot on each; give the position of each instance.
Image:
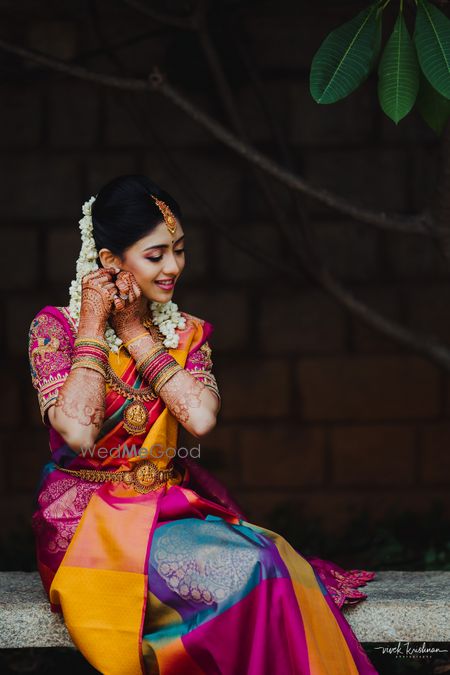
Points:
(135, 338)
(152, 352)
(146, 360)
(89, 364)
(166, 376)
(86, 341)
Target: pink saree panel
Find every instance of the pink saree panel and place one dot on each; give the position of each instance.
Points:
(151, 583)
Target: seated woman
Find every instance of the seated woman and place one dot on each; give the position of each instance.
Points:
(153, 566)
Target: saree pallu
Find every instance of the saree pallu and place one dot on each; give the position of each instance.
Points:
(176, 580)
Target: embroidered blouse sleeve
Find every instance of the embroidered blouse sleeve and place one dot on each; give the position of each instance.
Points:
(199, 363)
(49, 353)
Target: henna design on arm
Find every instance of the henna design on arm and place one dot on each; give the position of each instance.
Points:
(77, 396)
(182, 393)
(139, 348)
(82, 397)
(127, 319)
(94, 303)
(97, 299)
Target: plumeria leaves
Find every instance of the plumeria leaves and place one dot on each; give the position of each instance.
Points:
(432, 40)
(345, 57)
(398, 73)
(411, 70)
(433, 107)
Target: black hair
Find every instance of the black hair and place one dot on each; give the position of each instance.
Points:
(123, 212)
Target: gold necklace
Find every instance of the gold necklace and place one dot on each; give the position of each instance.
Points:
(135, 416)
(154, 330)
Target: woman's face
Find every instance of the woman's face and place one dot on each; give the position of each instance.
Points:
(157, 257)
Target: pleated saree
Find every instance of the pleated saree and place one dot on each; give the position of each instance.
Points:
(174, 581)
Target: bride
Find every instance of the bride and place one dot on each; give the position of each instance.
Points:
(151, 563)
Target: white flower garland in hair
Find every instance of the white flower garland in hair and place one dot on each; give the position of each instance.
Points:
(164, 314)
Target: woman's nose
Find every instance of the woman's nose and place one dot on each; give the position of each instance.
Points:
(171, 266)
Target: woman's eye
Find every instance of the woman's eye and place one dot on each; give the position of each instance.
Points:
(159, 257)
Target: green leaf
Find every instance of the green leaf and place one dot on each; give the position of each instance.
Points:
(377, 43)
(344, 59)
(398, 73)
(432, 40)
(433, 107)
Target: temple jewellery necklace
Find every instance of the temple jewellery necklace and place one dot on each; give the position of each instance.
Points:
(135, 416)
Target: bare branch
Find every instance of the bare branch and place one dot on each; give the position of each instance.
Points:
(425, 345)
(199, 23)
(420, 224)
(310, 259)
(441, 201)
(129, 84)
(227, 98)
(185, 23)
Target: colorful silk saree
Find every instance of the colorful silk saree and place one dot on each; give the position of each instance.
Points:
(176, 580)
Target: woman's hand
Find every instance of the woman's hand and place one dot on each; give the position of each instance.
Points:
(98, 296)
(126, 319)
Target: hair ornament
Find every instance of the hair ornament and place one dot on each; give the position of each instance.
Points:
(169, 218)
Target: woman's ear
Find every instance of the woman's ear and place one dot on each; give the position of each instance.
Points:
(108, 259)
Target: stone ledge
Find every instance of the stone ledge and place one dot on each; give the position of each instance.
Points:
(401, 606)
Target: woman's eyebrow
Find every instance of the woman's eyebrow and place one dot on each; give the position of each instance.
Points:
(163, 245)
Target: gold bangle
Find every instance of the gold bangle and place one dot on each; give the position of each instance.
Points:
(165, 378)
(125, 344)
(90, 357)
(89, 364)
(148, 359)
(156, 349)
(84, 340)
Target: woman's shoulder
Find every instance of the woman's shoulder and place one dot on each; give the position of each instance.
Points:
(207, 326)
(195, 320)
(53, 317)
(192, 318)
(54, 310)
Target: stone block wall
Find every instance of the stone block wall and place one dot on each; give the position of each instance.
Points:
(318, 408)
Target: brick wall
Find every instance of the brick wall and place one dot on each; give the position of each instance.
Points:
(317, 408)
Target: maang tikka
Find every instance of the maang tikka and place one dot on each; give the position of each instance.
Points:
(168, 216)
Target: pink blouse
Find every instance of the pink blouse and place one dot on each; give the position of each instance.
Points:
(50, 347)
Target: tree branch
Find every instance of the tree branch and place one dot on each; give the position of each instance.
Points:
(227, 98)
(185, 23)
(425, 345)
(441, 201)
(420, 224)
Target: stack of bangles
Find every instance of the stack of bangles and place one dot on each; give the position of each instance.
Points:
(157, 366)
(90, 353)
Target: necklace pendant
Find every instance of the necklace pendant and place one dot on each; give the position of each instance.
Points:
(135, 418)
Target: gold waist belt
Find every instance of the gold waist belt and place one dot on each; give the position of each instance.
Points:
(144, 476)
